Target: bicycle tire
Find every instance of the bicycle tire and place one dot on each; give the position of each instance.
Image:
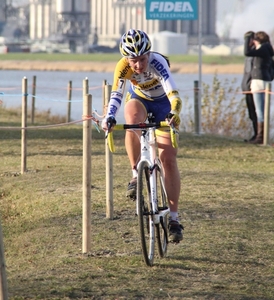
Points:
(146, 224)
(161, 228)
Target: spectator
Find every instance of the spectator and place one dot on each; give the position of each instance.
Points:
(246, 81)
(262, 51)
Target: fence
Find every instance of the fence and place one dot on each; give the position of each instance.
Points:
(88, 117)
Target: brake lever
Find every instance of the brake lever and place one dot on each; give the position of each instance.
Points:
(174, 129)
(107, 132)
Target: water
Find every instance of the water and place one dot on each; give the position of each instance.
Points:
(51, 89)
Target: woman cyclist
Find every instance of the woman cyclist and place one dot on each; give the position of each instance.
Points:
(152, 90)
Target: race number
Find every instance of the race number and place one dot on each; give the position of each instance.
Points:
(121, 86)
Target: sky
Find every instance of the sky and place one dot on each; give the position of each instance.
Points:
(240, 16)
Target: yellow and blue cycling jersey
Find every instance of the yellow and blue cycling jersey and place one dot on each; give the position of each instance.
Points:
(154, 83)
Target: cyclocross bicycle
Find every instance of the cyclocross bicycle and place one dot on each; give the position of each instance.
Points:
(151, 200)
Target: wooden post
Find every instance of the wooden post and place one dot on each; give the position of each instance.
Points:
(109, 164)
(85, 87)
(33, 99)
(86, 214)
(69, 101)
(196, 107)
(3, 276)
(24, 125)
(104, 97)
(266, 113)
(104, 84)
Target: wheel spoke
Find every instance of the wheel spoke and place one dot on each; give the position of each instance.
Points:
(161, 228)
(146, 224)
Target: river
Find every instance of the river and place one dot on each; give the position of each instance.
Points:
(51, 89)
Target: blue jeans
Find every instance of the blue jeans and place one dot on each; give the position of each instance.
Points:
(259, 105)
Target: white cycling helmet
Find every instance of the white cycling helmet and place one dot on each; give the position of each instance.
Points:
(134, 43)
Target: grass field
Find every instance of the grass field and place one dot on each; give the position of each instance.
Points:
(207, 59)
(226, 207)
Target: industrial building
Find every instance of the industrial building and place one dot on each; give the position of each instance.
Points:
(80, 23)
(66, 21)
(110, 18)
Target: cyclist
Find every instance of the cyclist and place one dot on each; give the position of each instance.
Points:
(152, 90)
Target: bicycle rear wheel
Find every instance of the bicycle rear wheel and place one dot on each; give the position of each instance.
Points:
(161, 228)
(146, 224)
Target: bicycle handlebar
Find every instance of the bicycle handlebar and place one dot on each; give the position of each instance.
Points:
(141, 126)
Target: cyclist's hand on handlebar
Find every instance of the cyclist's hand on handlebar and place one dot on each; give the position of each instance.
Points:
(173, 119)
(108, 123)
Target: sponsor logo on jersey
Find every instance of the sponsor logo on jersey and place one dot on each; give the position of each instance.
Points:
(123, 72)
(116, 94)
(149, 85)
(148, 75)
(160, 68)
(173, 93)
(112, 110)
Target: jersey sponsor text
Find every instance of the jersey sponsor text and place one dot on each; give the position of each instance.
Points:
(160, 68)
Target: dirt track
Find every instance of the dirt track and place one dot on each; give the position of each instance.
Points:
(109, 67)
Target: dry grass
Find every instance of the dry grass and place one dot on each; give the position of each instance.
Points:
(226, 208)
(106, 66)
(103, 62)
(223, 111)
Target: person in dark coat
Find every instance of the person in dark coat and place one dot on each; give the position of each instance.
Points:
(246, 82)
(262, 53)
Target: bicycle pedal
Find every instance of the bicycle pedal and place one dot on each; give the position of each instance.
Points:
(174, 242)
(132, 198)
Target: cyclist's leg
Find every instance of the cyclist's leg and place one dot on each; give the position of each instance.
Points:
(135, 112)
(167, 155)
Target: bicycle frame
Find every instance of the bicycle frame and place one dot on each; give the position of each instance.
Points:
(148, 153)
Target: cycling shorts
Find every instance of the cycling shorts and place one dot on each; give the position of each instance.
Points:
(159, 107)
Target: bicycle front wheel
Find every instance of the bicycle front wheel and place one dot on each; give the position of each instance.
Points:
(146, 224)
(161, 228)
